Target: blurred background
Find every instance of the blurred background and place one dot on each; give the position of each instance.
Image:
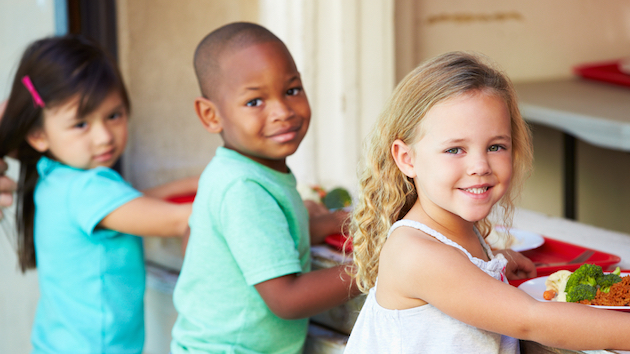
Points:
(351, 54)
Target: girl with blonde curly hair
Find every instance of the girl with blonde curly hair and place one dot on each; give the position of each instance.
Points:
(450, 148)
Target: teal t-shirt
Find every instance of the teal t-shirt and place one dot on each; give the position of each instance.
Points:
(248, 225)
(91, 280)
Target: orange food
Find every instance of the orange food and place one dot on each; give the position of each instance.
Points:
(619, 295)
(549, 294)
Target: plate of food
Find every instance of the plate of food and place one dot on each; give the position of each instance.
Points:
(553, 288)
(517, 240)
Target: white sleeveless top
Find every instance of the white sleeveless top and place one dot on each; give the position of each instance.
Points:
(425, 329)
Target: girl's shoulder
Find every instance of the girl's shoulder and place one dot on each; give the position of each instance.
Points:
(47, 167)
(415, 245)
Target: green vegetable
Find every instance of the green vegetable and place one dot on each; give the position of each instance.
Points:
(585, 281)
(607, 280)
(337, 198)
(581, 292)
(586, 274)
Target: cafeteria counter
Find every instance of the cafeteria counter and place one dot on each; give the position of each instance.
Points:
(328, 332)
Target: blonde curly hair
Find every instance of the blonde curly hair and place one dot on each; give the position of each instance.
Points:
(385, 193)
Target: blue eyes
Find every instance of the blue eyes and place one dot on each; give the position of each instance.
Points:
(492, 148)
(453, 150)
(496, 148)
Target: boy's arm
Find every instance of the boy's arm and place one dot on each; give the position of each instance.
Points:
(299, 296)
(323, 223)
(178, 187)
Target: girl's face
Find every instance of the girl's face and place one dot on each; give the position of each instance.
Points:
(98, 139)
(462, 163)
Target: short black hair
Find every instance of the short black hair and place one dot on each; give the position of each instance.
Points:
(212, 47)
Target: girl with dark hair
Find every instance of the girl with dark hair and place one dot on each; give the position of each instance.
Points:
(66, 122)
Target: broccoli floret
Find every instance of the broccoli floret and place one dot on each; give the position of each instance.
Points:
(617, 271)
(587, 274)
(607, 280)
(581, 292)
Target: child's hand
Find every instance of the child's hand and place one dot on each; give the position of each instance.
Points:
(7, 187)
(518, 266)
(322, 222)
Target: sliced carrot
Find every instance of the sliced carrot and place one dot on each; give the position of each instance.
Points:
(549, 294)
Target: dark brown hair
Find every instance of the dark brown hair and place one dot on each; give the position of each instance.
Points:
(60, 68)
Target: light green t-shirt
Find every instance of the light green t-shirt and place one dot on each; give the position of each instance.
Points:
(248, 225)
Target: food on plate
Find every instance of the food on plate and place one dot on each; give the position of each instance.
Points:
(619, 295)
(588, 285)
(556, 284)
(499, 239)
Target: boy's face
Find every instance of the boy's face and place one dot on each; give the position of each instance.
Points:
(261, 107)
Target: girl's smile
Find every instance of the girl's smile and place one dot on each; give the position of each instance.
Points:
(480, 192)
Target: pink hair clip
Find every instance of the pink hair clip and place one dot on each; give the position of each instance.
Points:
(37, 100)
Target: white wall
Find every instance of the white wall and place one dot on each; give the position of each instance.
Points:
(21, 21)
(531, 40)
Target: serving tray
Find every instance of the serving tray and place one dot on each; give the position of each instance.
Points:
(605, 71)
(554, 252)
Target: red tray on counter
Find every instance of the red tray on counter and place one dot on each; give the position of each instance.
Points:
(554, 251)
(180, 199)
(337, 241)
(605, 71)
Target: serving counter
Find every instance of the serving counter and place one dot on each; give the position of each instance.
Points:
(595, 112)
(329, 331)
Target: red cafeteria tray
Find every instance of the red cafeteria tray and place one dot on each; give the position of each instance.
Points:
(180, 199)
(338, 241)
(606, 71)
(554, 251)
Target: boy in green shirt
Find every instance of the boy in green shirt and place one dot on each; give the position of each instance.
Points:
(246, 284)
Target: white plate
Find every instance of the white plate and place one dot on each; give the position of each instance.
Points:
(536, 287)
(525, 240)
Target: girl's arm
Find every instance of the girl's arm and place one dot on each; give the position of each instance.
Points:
(147, 216)
(150, 215)
(299, 296)
(418, 269)
(178, 187)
